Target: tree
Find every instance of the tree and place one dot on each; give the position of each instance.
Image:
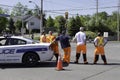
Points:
(18, 25)
(19, 10)
(60, 23)
(50, 22)
(3, 21)
(72, 27)
(11, 26)
(85, 20)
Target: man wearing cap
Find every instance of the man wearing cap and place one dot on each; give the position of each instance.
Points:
(80, 38)
(65, 45)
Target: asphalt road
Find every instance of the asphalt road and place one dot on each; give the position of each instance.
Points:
(46, 70)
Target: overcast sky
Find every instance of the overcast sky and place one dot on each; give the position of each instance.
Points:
(59, 7)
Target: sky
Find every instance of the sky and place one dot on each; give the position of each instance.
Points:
(73, 7)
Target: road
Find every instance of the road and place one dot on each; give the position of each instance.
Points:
(46, 70)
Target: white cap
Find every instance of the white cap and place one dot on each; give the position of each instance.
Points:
(81, 28)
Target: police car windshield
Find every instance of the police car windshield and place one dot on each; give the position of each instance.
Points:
(34, 41)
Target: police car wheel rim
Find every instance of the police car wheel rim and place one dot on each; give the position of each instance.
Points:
(30, 59)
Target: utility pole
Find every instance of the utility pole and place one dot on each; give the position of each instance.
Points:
(96, 10)
(40, 13)
(118, 21)
(41, 17)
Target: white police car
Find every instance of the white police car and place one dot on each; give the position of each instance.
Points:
(16, 49)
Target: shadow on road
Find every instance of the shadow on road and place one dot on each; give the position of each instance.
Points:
(38, 65)
(96, 64)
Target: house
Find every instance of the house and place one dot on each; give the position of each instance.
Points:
(32, 23)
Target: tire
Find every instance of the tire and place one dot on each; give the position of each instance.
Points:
(30, 59)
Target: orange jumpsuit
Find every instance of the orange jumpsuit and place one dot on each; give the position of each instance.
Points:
(54, 45)
(99, 43)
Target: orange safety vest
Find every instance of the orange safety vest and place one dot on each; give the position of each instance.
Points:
(43, 39)
(50, 38)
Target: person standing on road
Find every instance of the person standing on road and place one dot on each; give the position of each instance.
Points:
(54, 45)
(43, 38)
(65, 45)
(80, 38)
(99, 43)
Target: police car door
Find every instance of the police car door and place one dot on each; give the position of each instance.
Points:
(2, 46)
(9, 52)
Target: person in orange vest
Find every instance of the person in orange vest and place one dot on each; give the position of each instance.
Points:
(99, 43)
(43, 38)
(54, 44)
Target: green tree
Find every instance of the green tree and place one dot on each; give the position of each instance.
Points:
(11, 26)
(60, 23)
(3, 21)
(50, 22)
(19, 10)
(78, 22)
(72, 27)
(18, 25)
(112, 22)
(84, 20)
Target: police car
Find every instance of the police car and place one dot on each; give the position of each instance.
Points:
(18, 49)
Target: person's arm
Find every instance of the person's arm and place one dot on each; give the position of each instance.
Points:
(95, 42)
(85, 39)
(105, 42)
(74, 39)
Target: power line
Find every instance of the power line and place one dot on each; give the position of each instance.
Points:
(82, 9)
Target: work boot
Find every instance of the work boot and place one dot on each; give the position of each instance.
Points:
(96, 59)
(56, 56)
(77, 58)
(104, 59)
(65, 63)
(85, 59)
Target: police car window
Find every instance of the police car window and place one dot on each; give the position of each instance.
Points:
(14, 41)
(3, 41)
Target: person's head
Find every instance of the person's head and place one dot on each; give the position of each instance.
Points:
(99, 34)
(81, 28)
(43, 32)
(50, 32)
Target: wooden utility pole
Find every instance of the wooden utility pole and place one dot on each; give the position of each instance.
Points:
(118, 21)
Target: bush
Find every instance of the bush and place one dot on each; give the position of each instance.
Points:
(90, 35)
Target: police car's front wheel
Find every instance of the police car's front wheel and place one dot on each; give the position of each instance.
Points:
(30, 59)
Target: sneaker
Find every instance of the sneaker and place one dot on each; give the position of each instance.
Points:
(105, 63)
(85, 62)
(65, 64)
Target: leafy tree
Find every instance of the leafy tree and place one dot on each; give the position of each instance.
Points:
(11, 26)
(60, 23)
(84, 20)
(103, 15)
(50, 22)
(19, 10)
(78, 22)
(3, 21)
(72, 27)
(112, 22)
(18, 25)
